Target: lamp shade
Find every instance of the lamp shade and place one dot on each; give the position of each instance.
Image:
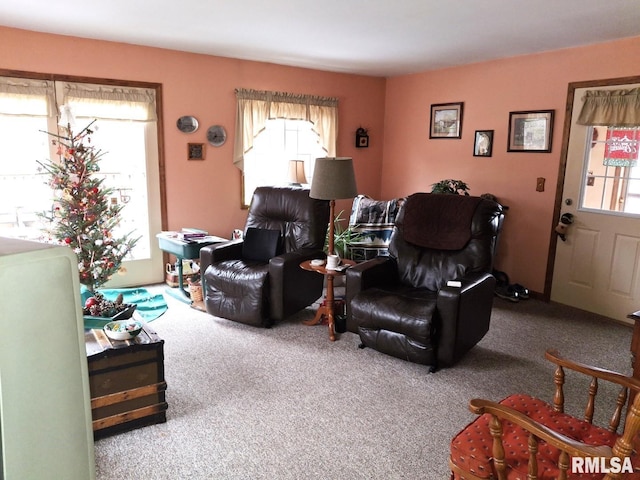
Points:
(333, 178)
(296, 172)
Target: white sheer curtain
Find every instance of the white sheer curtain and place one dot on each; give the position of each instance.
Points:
(256, 107)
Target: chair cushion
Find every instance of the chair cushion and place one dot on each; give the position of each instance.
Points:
(471, 449)
(238, 290)
(261, 244)
(397, 322)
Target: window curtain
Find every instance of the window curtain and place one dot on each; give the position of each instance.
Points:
(256, 107)
(27, 97)
(611, 107)
(136, 104)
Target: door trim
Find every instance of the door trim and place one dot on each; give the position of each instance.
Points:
(563, 166)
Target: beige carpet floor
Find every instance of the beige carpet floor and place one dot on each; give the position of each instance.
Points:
(286, 403)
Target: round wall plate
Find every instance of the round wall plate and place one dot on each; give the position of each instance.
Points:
(187, 124)
(216, 135)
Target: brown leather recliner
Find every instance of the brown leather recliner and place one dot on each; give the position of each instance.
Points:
(402, 305)
(258, 280)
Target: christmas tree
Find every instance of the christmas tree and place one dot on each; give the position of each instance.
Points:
(82, 216)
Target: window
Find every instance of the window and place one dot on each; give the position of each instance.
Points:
(274, 128)
(612, 177)
(611, 170)
(125, 130)
(267, 163)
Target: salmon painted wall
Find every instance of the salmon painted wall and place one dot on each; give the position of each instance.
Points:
(206, 194)
(490, 90)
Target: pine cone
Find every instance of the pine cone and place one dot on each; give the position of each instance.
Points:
(119, 299)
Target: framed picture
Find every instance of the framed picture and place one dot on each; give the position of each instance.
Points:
(483, 143)
(195, 151)
(530, 131)
(362, 138)
(446, 120)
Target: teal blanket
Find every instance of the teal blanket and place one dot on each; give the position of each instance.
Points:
(149, 306)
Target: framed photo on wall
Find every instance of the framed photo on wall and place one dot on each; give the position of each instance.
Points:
(483, 143)
(530, 131)
(446, 120)
(195, 151)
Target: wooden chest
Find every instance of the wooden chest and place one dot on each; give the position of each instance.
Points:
(126, 381)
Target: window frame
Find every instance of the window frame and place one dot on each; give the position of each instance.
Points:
(284, 129)
(587, 174)
(158, 134)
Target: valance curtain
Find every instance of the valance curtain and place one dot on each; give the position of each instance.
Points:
(137, 104)
(256, 107)
(27, 97)
(611, 107)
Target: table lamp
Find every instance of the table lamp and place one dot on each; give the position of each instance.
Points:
(333, 178)
(296, 172)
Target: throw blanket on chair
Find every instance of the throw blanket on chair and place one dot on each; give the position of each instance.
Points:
(427, 222)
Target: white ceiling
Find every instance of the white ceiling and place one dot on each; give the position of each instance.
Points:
(371, 37)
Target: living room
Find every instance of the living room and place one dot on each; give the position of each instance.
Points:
(400, 158)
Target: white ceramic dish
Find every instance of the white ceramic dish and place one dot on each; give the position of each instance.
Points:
(122, 329)
(317, 262)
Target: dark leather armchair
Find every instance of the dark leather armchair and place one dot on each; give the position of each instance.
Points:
(245, 282)
(402, 304)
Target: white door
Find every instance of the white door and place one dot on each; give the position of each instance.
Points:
(130, 166)
(597, 267)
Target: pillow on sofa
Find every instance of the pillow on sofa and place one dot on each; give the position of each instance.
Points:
(261, 244)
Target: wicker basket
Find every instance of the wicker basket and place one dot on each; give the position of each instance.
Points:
(195, 289)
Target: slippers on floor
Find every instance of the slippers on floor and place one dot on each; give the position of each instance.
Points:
(507, 292)
(522, 291)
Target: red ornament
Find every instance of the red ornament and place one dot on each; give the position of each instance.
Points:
(90, 302)
(67, 240)
(94, 190)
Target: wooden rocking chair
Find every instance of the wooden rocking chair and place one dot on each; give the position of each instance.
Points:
(523, 437)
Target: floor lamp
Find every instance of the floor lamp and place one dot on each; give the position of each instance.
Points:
(333, 178)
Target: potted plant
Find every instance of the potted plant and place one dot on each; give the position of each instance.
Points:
(343, 236)
(450, 186)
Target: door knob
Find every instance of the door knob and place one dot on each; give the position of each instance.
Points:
(561, 229)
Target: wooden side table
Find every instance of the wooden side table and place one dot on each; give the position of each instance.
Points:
(327, 307)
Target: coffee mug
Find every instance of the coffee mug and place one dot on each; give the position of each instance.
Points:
(332, 262)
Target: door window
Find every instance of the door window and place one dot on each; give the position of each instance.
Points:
(612, 171)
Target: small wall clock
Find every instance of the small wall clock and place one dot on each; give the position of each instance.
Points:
(216, 135)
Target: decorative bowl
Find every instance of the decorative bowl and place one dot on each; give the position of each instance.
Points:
(122, 329)
(100, 322)
(317, 262)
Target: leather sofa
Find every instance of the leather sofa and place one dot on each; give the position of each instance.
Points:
(258, 280)
(403, 304)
